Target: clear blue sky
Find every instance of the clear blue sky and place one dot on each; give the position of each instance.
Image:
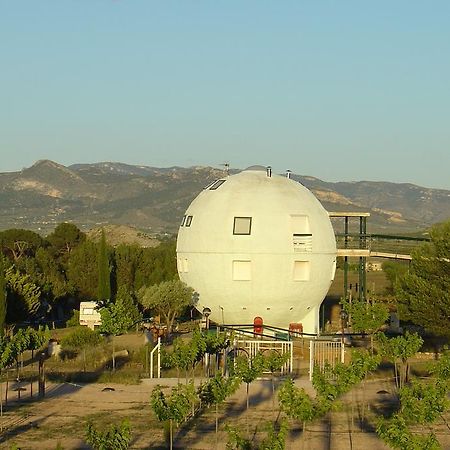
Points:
(340, 90)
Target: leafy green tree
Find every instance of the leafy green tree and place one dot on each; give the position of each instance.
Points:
(156, 265)
(366, 317)
(248, 370)
(167, 299)
(424, 292)
(126, 259)
(399, 350)
(184, 355)
(104, 279)
(396, 433)
(117, 437)
(17, 243)
(173, 408)
(64, 239)
(118, 317)
(297, 404)
(276, 439)
(274, 362)
(394, 272)
(82, 270)
(52, 281)
(22, 294)
(421, 404)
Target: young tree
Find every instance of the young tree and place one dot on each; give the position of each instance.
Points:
(274, 362)
(424, 293)
(215, 391)
(399, 350)
(248, 370)
(366, 317)
(117, 318)
(173, 408)
(167, 299)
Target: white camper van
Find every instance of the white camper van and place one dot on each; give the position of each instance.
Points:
(89, 315)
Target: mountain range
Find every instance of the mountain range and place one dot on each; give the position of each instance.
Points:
(154, 199)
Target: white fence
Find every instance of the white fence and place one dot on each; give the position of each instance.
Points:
(251, 348)
(322, 353)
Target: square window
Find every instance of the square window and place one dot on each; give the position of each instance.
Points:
(242, 225)
(301, 270)
(188, 221)
(242, 270)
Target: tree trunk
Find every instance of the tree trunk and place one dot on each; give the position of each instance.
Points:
(273, 397)
(246, 414)
(217, 425)
(171, 433)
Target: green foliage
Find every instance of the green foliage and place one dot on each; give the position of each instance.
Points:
(296, 403)
(366, 317)
(329, 384)
(400, 347)
(156, 265)
(248, 369)
(17, 243)
(11, 347)
(423, 402)
(23, 295)
(126, 258)
(276, 439)
(82, 270)
(398, 350)
(81, 338)
(275, 361)
(64, 239)
(217, 389)
(236, 441)
(394, 272)
(74, 319)
(333, 382)
(174, 407)
(104, 281)
(167, 299)
(118, 317)
(3, 304)
(395, 433)
(424, 293)
(117, 437)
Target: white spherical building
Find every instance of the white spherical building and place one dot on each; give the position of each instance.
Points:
(256, 244)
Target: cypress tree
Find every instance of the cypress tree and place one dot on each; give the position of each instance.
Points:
(2, 298)
(104, 282)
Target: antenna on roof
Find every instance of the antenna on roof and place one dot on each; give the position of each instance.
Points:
(227, 168)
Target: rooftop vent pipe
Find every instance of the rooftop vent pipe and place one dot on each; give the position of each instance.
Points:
(288, 173)
(269, 171)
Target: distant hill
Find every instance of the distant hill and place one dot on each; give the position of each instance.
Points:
(153, 200)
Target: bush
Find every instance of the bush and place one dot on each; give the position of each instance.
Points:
(74, 319)
(81, 337)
